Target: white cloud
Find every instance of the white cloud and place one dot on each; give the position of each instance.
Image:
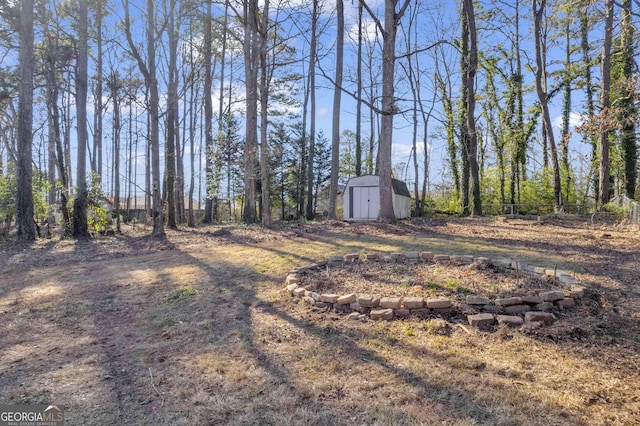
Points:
(575, 120)
(351, 10)
(323, 112)
(369, 31)
(405, 149)
(401, 151)
(237, 97)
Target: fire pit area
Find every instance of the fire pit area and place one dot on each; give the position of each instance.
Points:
(461, 288)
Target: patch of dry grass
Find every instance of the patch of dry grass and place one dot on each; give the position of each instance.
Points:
(126, 329)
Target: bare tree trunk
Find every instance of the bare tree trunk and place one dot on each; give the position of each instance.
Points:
(335, 128)
(425, 144)
(359, 95)
(302, 166)
(181, 144)
(66, 138)
(54, 118)
(80, 226)
(471, 105)
(97, 117)
(251, 64)
(313, 52)
(24, 201)
(148, 69)
(115, 85)
(148, 193)
(413, 84)
(231, 192)
(192, 132)
(463, 123)
(566, 115)
(374, 155)
(172, 107)
(518, 159)
(222, 137)
(606, 103)
(542, 97)
(131, 156)
(265, 155)
(386, 213)
(52, 61)
(208, 118)
(391, 20)
(588, 137)
(51, 167)
(302, 163)
(450, 127)
(154, 137)
(135, 161)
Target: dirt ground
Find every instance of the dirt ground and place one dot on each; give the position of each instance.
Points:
(196, 330)
(409, 278)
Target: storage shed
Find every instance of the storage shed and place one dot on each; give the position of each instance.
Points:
(362, 198)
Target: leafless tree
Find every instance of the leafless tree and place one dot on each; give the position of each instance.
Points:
(388, 107)
(538, 7)
(24, 201)
(335, 127)
(80, 226)
(148, 70)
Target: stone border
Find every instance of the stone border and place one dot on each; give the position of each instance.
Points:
(533, 310)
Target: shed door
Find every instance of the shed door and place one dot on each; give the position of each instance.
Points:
(366, 202)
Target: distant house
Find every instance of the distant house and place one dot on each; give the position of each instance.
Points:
(323, 200)
(135, 207)
(138, 203)
(362, 198)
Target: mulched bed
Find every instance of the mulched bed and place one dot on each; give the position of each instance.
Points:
(423, 279)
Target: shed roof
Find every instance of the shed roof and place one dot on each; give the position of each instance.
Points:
(400, 188)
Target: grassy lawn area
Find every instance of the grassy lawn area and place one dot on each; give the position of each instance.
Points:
(197, 330)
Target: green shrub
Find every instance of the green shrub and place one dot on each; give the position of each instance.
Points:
(9, 191)
(614, 209)
(97, 219)
(97, 216)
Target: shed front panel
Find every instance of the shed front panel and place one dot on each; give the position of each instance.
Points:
(364, 202)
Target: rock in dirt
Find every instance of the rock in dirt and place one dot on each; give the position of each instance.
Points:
(481, 320)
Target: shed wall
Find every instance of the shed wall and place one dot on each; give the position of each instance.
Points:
(362, 200)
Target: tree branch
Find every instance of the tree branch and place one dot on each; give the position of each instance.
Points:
(631, 12)
(403, 9)
(373, 16)
(132, 46)
(424, 49)
(353, 95)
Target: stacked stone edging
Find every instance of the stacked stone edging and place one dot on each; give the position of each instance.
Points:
(532, 310)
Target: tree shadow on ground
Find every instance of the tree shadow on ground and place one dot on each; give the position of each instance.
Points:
(466, 405)
(461, 404)
(149, 349)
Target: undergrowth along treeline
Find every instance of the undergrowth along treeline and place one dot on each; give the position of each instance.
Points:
(100, 213)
